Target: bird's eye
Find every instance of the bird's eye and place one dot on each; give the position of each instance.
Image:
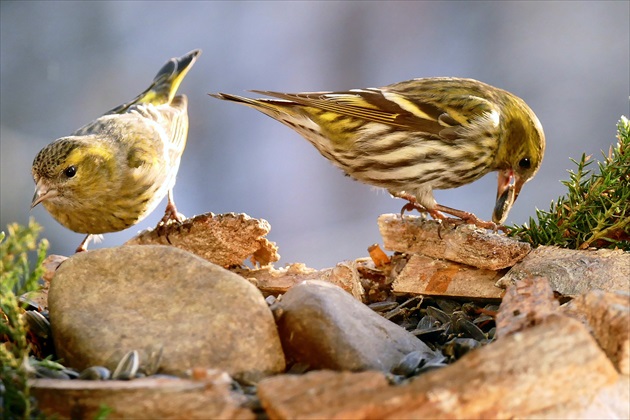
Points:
(70, 171)
(525, 163)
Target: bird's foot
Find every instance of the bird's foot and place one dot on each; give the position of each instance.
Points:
(84, 244)
(468, 218)
(461, 217)
(171, 215)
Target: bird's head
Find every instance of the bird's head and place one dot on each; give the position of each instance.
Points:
(71, 171)
(520, 154)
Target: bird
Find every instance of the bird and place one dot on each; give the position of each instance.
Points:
(417, 136)
(114, 171)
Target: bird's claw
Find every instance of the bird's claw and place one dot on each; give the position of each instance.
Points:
(461, 217)
(171, 215)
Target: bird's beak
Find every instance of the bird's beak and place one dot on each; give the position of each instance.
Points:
(505, 179)
(506, 194)
(42, 192)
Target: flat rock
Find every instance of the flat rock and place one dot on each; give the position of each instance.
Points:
(324, 327)
(107, 302)
(224, 239)
(572, 272)
(464, 244)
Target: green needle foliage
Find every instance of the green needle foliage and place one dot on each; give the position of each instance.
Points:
(596, 210)
(16, 278)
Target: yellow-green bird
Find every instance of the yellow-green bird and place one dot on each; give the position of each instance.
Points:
(419, 135)
(111, 173)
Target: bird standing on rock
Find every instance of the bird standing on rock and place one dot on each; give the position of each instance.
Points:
(419, 135)
(111, 173)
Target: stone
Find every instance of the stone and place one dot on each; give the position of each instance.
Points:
(572, 272)
(151, 298)
(324, 327)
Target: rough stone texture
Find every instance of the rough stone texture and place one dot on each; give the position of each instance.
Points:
(107, 302)
(428, 276)
(608, 316)
(572, 272)
(525, 304)
(287, 396)
(224, 239)
(464, 244)
(555, 367)
(323, 327)
(141, 398)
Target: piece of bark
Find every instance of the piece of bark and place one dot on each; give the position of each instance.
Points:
(464, 244)
(608, 316)
(286, 396)
(224, 239)
(427, 276)
(571, 272)
(525, 304)
(139, 398)
(610, 402)
(273, 281)
(526, 374)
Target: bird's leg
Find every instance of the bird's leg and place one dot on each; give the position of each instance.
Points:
(83, 245)
(170, 213)
(412, 204)
(469, 218)
(437, 213)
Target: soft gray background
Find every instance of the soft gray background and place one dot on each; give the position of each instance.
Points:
(65, 63)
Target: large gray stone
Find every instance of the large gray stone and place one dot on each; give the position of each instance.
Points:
(107, 302)
(324, 327)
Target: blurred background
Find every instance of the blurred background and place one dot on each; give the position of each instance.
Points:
(65, 63)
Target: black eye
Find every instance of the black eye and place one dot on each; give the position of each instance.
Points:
(524, 163)
(70, 171)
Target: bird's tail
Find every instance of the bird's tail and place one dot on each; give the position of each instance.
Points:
(271, 107)
(165, 83)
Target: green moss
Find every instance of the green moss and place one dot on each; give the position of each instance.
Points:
(16, 278)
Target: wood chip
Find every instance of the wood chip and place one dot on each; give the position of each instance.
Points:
(527, 374)
(317, 394)
(224, 239)
(527, 303)
(140, 398)
(572, 272)
(273, 281)
(607, 315)
(427, 276)
(464, 244)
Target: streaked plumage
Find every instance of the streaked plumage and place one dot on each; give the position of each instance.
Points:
(111, 173)
(419, 135)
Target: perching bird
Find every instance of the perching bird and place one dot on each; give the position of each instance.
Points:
(419, 135)
(111, 173)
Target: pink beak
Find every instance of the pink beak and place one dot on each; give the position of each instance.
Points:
(505, 179)
(42, 192)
